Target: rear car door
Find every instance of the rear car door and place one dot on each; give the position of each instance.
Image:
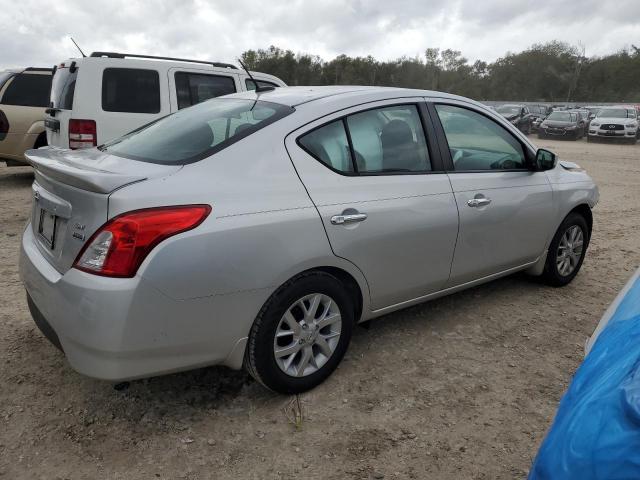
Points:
(57, 117)
(190, 86)
(505, 208)
(384, 200)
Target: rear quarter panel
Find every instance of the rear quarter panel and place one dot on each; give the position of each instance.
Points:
(263, 228)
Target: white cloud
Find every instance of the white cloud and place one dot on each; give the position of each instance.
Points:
(35, 32)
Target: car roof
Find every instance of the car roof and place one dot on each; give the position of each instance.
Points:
(295, 96)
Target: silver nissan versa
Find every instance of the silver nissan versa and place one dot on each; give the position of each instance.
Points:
(256, 229)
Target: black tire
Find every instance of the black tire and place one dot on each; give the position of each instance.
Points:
(551, 275)
(259, 358)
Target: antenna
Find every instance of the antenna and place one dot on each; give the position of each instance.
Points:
(74, 42)
(258, 88)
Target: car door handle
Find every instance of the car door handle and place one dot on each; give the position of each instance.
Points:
(479, 202)
(353, 218)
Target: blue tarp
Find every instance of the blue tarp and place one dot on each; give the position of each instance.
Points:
(596, 431)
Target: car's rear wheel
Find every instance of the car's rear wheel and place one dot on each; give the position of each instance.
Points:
(301, 333)
(567, 250)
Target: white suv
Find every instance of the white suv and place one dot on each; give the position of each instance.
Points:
(614, 122)
(106, 95)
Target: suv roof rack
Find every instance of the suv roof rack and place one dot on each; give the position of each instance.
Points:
(131, 55)
(37, 69)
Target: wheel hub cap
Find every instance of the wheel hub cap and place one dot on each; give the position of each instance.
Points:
(569, 250)
(307, 335)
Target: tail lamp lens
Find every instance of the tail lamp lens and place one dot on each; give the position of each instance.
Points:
(120, 246)
(82, 134)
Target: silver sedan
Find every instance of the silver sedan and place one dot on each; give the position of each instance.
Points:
(257, 229)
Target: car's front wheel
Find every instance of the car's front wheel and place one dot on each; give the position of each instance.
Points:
(567, 250)
(301, 334)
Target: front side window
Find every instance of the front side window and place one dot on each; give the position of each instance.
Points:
(28, 90)
(192, 88)
(131, 90)
(389, 139)
(195, 133)
(477, 142)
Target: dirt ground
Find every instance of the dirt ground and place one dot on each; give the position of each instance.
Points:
(463, 387)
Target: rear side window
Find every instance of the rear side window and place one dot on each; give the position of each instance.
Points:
(192, 88)
(195, 133)
(389, 140)
(382, 140)
(29, 90)
(329, 144)
(251, 85)
(130, 90)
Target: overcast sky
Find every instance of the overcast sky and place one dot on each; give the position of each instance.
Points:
(36, 32)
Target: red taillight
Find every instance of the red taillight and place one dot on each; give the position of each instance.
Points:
(118, 247)
(82, 134)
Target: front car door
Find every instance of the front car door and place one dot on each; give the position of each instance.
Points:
(505, 208)
(385, 202)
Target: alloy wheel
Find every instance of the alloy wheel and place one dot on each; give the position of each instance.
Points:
(307, 335)
(569, 250)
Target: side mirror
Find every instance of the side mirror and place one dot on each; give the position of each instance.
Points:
(545, 160)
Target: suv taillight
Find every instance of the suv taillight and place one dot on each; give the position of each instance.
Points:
(119, 247)
(82, 134)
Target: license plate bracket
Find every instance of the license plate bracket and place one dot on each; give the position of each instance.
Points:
(47, 227)
(52, 124)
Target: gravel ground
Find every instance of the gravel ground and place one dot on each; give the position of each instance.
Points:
(461, 387)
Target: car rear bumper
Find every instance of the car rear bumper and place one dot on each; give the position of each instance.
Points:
(123, 328)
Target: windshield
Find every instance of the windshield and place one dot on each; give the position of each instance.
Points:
(508, 109)
(63, 88)
(614, 113)
(562, 117)
(194, 133)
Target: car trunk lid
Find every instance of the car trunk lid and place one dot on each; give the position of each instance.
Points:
(71, 196)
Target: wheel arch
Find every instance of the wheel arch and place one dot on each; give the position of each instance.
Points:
(584, 210)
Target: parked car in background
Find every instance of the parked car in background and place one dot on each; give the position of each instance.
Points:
(24, 94)
(538, 114)
(614, 123)
(583, 116)
(564, 124)
(518, 115)
(101, 97)
(257, 229)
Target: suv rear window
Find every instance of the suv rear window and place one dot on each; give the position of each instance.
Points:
(29, 90)
(195, 133)
(130, 90)
(63, 88)
(193, 88)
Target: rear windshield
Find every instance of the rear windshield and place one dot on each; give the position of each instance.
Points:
(63, 88)
(29, 90)
(197, 132)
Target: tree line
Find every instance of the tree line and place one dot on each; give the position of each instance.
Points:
(553, 72)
